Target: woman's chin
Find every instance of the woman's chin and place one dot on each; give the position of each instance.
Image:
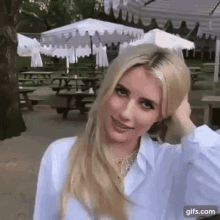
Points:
(119, 137)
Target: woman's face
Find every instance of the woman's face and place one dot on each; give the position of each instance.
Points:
(133, 107)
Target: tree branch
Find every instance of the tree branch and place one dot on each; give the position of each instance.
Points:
(31, 14)
(47, 24)
(15, 7)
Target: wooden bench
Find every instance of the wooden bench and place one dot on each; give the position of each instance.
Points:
(208, 68)
(194, 80)
(88, 100)
(39, 81)
(89, 105)
(59, 103)
(70, 100)
(61, 110)
(209, 102)
(58, 88)
(34, 101)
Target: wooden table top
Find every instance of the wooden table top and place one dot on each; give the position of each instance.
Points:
(211, 99)
(208, 64)
(193, 73)
(195, 68)
(78, 78)
(74, 93)
(22, 90)
(81, 67)
(73, 78)
(95, 71)
(35, 72)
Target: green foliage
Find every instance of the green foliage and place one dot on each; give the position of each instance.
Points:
(88, 8)
(194, 62)
(57, 13)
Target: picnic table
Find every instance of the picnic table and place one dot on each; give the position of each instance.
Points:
(209, 67)
(95, 72)
(66, 80)
(209, 102)
(78, 102)
(24, 92)
(34, 81)
(78, 69)
(208, 64)
(30, 74)
(92, 82)
(195, 71)
(88, 82)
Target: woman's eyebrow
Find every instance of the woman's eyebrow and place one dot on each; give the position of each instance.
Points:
(145, 99)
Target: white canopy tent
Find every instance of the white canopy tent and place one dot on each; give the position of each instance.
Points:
(28, 47)
(100, 52)
(88, 32)
(162, 39)
(205, 12)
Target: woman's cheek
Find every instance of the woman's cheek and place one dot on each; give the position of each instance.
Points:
(147, 118)
(115, 102)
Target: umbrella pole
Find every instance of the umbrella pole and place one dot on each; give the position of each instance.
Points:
(67, 60)
(75, 59)
(92, 54)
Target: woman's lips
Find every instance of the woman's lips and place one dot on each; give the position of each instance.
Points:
(120, 124)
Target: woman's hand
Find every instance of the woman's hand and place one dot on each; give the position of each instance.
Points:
(183, 112)
(180, 123)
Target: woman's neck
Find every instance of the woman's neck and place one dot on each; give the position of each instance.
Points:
(123, 151)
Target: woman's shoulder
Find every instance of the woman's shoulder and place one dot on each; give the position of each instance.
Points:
(55, 161)
(61, 145)
(59, 149)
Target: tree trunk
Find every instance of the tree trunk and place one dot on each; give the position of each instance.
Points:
(11, 121)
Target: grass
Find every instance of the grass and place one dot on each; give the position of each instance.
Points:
(26, 62)
(82, 62)
(195, 62)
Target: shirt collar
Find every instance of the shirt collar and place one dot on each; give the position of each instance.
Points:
(146, 152)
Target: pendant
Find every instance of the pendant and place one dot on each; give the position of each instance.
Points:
(128, 168)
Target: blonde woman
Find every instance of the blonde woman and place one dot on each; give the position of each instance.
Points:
(114, 170)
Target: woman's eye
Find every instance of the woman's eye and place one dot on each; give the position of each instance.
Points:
(121, 92)
(147, 104)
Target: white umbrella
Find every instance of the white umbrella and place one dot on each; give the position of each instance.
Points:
(205, 12)
(80, 52)
(79, 34)
(28, 47)
(101, 56)
(36, 60)
(89, 32)
(162, 39)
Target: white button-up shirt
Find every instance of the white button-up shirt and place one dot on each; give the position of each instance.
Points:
(162, 180)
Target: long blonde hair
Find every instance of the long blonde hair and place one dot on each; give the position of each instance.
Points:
(92, 178)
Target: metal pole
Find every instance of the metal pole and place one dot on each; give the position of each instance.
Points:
(92, 53)
(75, 59)
(216, 61)
(147, 3)
(67, 60)
(214, 8)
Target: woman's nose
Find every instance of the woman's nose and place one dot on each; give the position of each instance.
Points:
(128, 109)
